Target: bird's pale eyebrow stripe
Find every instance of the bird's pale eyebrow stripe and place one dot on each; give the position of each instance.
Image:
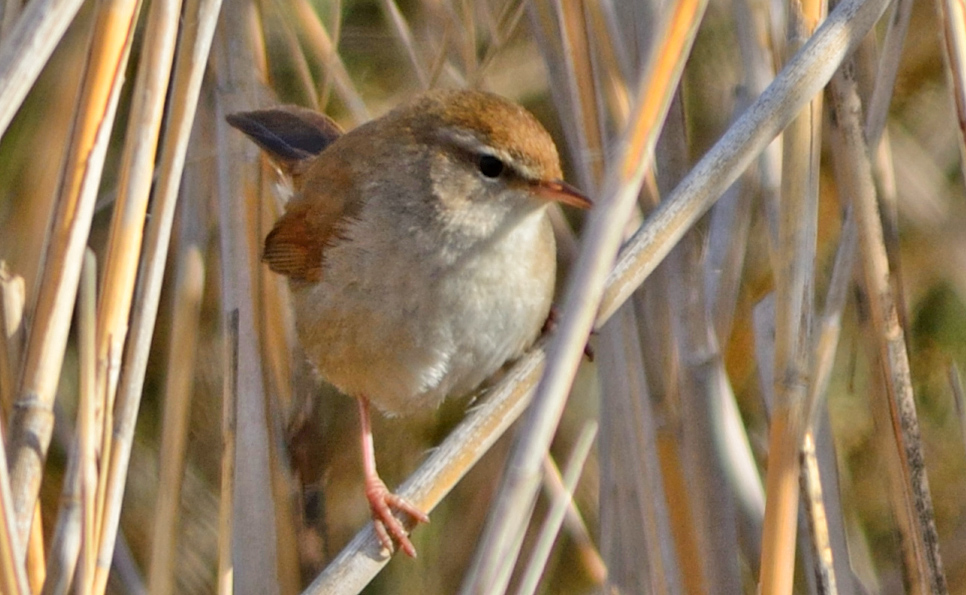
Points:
(472, 144)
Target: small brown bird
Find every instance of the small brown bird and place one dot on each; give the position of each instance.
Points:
(418, 250)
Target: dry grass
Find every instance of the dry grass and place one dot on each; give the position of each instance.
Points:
(801, 340)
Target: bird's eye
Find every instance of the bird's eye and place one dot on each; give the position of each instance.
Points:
(490, 166)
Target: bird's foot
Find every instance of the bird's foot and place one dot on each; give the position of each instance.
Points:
(550, 325)
(382, 502)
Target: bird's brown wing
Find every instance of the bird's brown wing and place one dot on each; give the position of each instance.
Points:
(313, 220)
(294, 138)
(292, 249)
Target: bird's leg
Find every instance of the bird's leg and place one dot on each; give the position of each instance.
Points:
(381, 500)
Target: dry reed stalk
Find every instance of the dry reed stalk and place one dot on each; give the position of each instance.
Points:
(828, 529)
(826, 519)
(612, 62)
(559, 31)
(273, 19)
(701, 401)
(255, 33)
(9, 12)
(404, 37)
(274, 322)
(602, 239)
(182, 347)
(276, 331)
(36, 558)
(758, 61)
(830, 324)
(466, 41)
(255, 545)
(103, 429)
(764, 330)
(32, 423)
(335, 32)
(704, 401)
(625, 55)
(827, 536)
(277, 320)
(12, 336)
(226, 567)
(562, 501)
(573, 523)
(321, 45)
(627, 414)
(730, 224)
(732, 215)
(884, 74)
(795, 281)
(276, 328)
(885, 79)
(439, 63)
(501, 29)
(13, 576)
(824, 566)
(884, 174)
(87, 436)
(278, 339)
(136, 175)
(73, 532)
(128, 221)
(637, 531)
(25, 49)
(925, 570)
(575, 54)
(187, 82)
(953, 15)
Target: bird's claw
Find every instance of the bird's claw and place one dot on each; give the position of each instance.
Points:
(382, 502)
(550, 325)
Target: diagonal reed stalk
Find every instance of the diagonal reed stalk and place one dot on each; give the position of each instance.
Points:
(508, 516)
(26, 48)
(555, 518)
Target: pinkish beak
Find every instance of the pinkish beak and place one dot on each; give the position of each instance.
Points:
(560, 191)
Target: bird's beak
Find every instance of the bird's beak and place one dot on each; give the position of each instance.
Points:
(560, 191)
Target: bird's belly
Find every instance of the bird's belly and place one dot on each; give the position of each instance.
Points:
(407, 336)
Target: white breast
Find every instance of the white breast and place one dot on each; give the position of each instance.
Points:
(407, 330)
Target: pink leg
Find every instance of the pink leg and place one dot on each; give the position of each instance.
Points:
(381, 500)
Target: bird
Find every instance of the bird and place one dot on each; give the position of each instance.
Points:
(418, 251)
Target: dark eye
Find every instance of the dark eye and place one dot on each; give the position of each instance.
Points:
(490, 166)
